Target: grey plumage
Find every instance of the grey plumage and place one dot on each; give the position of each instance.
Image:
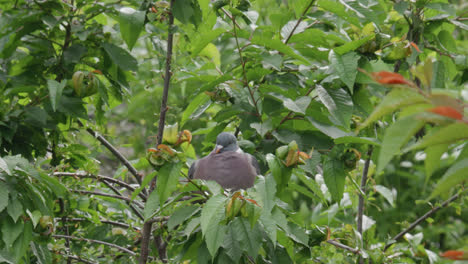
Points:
(227, 165)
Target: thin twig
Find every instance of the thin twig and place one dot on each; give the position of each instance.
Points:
(244, 74)
(229, 15)
(114, 223)
(422, 218)
(109, 195)
(288, 116)
(147, 226)
(129, 203)
(360, 215)
(99, 178)
(115, 152)
(67, 255)
(97, 242)
(338, 244)
(299, 21)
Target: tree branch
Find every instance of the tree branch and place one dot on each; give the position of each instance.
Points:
(147, 226)
(360, 215)
(114, 223)
(109, 195)
(135, 210)
(115, 152)
(299, 21)
(422, 218)
(97, 242)
(74, 257)
(338, 244)
(99, 178)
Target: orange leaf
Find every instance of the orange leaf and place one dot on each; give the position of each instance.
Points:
(447, 111)
(415, 46)
(454, 254)
(97, 71)
(385, 77)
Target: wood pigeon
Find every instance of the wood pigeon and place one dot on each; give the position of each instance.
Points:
(227, 164)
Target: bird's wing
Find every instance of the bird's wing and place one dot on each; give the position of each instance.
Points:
(191, 171)
(254, 163)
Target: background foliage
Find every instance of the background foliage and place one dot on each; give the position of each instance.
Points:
(351, 154)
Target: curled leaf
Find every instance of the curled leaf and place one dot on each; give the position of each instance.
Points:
(415, 46)
(447, 111)
(385, 77)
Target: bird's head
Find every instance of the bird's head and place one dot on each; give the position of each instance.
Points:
(225, 142)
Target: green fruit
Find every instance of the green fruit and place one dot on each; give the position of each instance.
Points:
(77, 79)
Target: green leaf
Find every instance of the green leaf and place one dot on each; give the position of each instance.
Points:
(187, 11)
(152, 204)
(3, 195)
(338, 102)
(4, 167)
(459, 24)
(396, 99)
(198, 104)
(181, 215)
(329, 130)
(276, 44)
(168, 177)
(131, 23)
(281, 173)
(204, 38)
(299, 105)
(6, 257)
(266, 189)
(312, 185)
(453, 133)
(231, 244)
(41, 252)
(453, 176)
(432, 161)
(15, 209)
(334, 176)
(146, 180)
(211, 216)
(34, 216)
(250, 237)
(339, 10)
(21, 245)
(262, 128)
(395, 137)
(10, 230)
(386, 193)
(345, 66)
(357, 140)
(55, 91)
(352, 45)
(121, 57)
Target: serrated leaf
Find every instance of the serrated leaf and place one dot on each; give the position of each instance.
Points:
(357, 140)
(203, 39)
(10, 230)
(4, 166)
(386, 193)
(55, 92)
(395, 137)
(291, 27)
(453, 176)
(152, 204)
(211, 216)
(41, 252)
(345, 66)
(231, 244)
(334, 176)
(187, 11)
(452, 133)
(339, 10)
(281, 173)
(338, 102)
(299, 105)
(15, 209)
(396, 99)
(432, 161)
(276, 44)
(121, 57)
(352, 45)
(181, 214)
(250, 237)
(146, 180)
(198, 103)
(168, 177)
(3, 196)
(131, 23)
(312, 185)
(262, 128)
(266, 189)
(329, 130)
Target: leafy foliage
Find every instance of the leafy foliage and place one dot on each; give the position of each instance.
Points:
(325, 94)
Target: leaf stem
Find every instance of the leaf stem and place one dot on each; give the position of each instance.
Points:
(338, 244)
(299, 21)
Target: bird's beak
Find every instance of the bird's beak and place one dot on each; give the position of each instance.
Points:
(218, 148)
